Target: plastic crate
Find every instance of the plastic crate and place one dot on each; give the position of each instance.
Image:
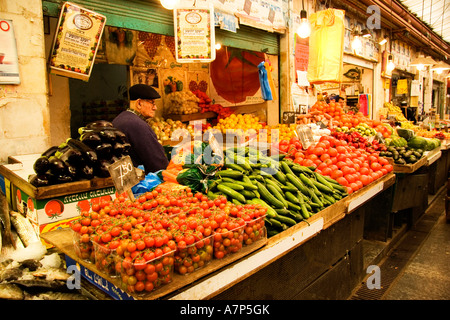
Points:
(254, 230)
(228, 242)
(105, 259)
(194, 256)
(84, 248)
(139, 276)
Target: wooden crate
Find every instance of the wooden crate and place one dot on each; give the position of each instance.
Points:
(62, 239)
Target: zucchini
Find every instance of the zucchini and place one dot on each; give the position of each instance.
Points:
(306, 181)
(248, 194)
(286, 168)
(268, 196)
(322, 187)
(290, 197)
(277, 194)
(276, 223)
(271, 213)
(289, 187)
(233, 186)
(245, 185)
(322, 180)
(280, 176)
(298, 184)
(286, 220)
(305, 213)
(234, 166)
(229, 173)
(231, 192)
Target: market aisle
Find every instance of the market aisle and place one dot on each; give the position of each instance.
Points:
(418, 267)
(427, 276)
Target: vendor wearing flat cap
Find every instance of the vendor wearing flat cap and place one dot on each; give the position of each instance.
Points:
(145, 148)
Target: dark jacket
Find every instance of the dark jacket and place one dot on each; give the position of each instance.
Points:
(145, 148)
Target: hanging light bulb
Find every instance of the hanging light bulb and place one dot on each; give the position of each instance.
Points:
(420, 66)
(440, 67)
(304, 29)
(218, 46)
(169, 4)
(390, 65)
(356, 43)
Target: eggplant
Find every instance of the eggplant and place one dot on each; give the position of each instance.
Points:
(104, 151)
(101, 169)
(99, 124)
(70, 156)
(126, 149)
(39, 180)
(42, 164)
(64, 178)
(108, 135)
(49, 152)
(57, 166)
(120, 136)
(119, 149)
(89, 155)
(86, 172)
(91, 139)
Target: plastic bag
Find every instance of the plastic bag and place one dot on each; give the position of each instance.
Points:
(326, 46)
(151, 181)
(266, 92)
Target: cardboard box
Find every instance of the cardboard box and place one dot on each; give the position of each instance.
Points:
(48, 214)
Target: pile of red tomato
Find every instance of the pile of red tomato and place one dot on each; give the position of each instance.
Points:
(350, 166)
(144, 240)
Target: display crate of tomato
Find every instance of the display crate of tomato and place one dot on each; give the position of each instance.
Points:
(143, 241)
(352, 167)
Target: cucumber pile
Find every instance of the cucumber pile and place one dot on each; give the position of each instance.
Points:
(291, 192)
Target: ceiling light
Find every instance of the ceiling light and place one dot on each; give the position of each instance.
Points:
(304, 29)
(383, 40)
(390, 65)
(440, 67)
(356, 43)
(218, 46)
(169, 4)
(421, 62)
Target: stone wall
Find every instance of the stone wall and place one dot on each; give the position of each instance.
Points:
(24, 113)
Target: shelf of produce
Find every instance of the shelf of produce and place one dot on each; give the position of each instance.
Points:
(62, 240)
(284, 242)
(191, 117)
(20, 167)
(410, 168)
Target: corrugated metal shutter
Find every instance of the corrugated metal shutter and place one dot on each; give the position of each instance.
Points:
(150, 16)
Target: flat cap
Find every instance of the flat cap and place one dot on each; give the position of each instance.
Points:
(143, 91)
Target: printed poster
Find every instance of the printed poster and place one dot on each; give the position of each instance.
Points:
(194, 34)
(76, 42)
(9, 63)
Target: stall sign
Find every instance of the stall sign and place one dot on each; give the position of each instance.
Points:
(76, 42)
(9, 63)
(194, 33)
(123, 174)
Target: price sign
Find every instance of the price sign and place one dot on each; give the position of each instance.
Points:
(305, 135)
(123, 175)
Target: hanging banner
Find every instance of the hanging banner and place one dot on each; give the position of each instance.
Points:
(9, 63)
(76, 42)
(194, 33)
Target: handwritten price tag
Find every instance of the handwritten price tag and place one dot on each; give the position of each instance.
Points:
(123, 174)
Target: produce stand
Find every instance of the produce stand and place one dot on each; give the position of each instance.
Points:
(53, 206)
(223, 274)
